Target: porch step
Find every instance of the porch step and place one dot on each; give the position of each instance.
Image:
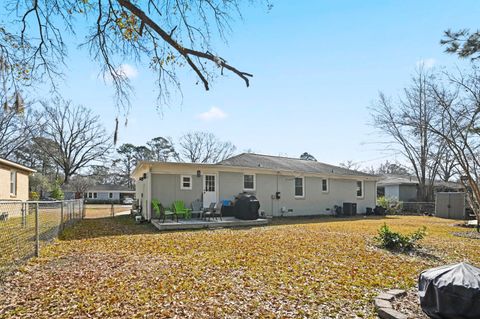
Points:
(202, 224)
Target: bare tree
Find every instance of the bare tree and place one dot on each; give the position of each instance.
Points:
(388, 167)
(167, 35)
(204, 147)
(350, 165)
(79, 137)
(447, 165)
(406, 123)
(15, 131)
(458, 126)
(80, 185)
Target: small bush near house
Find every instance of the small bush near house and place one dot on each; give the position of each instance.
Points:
(395, 241)
(34, 196)
(392, 205)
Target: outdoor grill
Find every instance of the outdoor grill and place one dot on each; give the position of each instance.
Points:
(246, 206)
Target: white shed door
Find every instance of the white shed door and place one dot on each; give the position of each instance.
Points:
(209, 189)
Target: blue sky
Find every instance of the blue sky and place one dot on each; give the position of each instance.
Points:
(317, 65)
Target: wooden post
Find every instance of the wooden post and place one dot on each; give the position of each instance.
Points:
(37, 232)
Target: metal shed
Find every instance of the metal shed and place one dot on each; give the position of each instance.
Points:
(450, 205)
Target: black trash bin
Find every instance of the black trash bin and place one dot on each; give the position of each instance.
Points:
(450, 292)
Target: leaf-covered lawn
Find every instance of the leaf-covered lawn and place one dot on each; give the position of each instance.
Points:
(324, 268)
(17, 237)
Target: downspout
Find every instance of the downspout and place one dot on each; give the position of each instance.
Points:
(149, 194)
(278, 200)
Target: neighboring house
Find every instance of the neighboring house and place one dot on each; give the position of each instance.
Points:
(102, 193)
(284, 186)
(405, 188)
(14, 180)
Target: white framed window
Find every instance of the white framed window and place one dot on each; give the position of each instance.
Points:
(13, 182)
(360, 189)
(94, 195)
(249, 182)
(325, 185)
(299, 187)
(186, 182)
(110, 195)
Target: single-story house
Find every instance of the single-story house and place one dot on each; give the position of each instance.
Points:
(102, 193)
(405, 188)
(14, 180)
(284, 186)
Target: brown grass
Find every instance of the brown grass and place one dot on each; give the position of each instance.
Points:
(323, 268)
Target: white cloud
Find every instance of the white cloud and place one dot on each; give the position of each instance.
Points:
(426, 63)
(214, 113)
(128, 71)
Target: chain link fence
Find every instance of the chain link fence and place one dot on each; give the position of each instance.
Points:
(25, 227)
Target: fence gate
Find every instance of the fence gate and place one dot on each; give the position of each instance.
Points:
(450, 205)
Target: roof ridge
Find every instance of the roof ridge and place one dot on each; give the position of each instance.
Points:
(297, 159)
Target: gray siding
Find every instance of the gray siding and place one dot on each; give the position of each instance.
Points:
(141, 195)
(166, 188)
(315, 201)
(404, 193)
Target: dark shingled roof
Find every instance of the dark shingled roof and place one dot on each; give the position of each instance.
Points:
(252, 160)
(390, 179)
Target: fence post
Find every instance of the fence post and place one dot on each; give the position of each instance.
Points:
(83, 209)
(24, 214)
(37, 232)
(73, 209)
(112, 210)
(61, 215)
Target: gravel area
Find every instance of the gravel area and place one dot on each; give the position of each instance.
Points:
(470, 234)
(410, 305)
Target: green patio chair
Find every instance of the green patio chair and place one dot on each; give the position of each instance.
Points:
(160, 211)
(180, 209)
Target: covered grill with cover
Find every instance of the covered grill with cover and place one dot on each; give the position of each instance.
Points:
(450, 292)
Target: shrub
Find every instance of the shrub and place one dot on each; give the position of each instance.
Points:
(57, 192)
(34, 196)
(395, 241)
(392, 205)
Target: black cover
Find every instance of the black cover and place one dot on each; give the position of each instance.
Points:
(246, 207)
(228, 210)
(450, 292)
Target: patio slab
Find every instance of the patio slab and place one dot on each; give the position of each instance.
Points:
(185, 224)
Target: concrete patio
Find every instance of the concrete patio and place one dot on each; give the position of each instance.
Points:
(185, 224)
